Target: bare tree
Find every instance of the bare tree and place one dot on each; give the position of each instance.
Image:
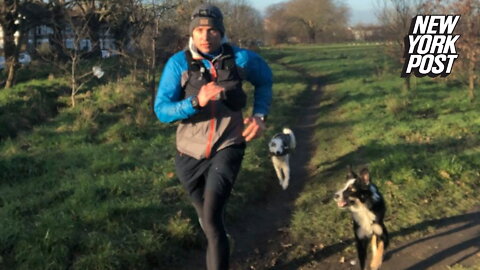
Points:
(469, 43)
(57, 22)
(395, 17)
(74, 42)
(127, 23)
(78, 33)
(94, 13)
(243, 23)
(318, 16)
(180, 18)
(157, 36)
(307, 21)
(9, 20)
(277, 27)
(17, 17)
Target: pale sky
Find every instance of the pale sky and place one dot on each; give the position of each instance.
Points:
(362, 11)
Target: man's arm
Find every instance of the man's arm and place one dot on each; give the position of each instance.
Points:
(259, 74)
(168, 105)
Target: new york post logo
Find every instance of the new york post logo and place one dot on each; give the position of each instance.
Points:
(430, 46)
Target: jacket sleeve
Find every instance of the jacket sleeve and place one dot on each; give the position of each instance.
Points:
(260, 75)
(168, 105)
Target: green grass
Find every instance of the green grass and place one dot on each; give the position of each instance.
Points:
(91, 189)
(27, 104)
(421, 147)
(460, 267)
(94, 187)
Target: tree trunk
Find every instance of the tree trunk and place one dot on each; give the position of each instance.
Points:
(11, 53)
(152, 71)
(11, 71)
(406, 84)
(471, 79)
(93, 33)
(134, 72)
(471, 87)
(74, 81)
(310, 33)
(72, 97)
(57, 43)
(74, 89)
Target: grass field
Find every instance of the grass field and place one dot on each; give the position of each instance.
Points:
(422, 147)
(94, 187)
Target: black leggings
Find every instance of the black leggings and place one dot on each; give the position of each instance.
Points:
(209, 183)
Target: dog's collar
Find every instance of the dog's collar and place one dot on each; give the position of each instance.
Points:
(279, 155)
(286, 151)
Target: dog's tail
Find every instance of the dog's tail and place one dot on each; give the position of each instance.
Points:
(293, 142)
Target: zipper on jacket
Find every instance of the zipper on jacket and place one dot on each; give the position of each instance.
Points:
(208, 150)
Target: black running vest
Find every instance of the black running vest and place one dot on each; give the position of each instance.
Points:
(227, 76)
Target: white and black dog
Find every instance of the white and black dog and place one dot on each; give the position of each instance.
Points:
(280, 147)
(362, 198)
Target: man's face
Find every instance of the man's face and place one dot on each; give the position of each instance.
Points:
(207, 39)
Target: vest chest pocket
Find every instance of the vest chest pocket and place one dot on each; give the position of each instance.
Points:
(195, 81)
(226, 75)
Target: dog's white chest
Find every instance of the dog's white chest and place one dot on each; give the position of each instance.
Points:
(365, 219)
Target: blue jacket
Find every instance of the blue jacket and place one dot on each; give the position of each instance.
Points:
(169, 106)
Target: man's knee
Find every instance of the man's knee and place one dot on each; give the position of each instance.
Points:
(213, 227)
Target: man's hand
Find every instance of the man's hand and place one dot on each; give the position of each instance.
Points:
(255, 128)
(208, 92)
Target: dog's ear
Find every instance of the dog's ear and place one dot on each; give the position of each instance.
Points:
(350, 173)
(365, 176)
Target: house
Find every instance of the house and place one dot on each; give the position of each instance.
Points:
(366, 33)
(43, 34)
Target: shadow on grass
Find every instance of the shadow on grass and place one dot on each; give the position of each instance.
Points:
(333, 77)
(472, 219)
(350, 73)
(374, 151)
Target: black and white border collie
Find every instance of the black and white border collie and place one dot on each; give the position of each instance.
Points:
(362, 198)
(280, 147)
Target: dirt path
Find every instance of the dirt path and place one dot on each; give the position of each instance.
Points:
(456, 240)
(264, 226)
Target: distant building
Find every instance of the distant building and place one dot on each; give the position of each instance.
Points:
(367, 33)
(42, 34)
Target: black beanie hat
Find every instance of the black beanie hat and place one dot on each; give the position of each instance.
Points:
(207, 15)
